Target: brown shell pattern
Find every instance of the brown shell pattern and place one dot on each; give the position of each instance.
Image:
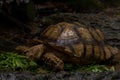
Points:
(75, 38)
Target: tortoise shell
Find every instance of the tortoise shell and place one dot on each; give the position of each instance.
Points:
(77, 39)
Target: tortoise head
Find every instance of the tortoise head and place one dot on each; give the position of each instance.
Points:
(34, 52)
(21, 49)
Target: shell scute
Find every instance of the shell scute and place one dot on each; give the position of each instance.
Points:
(97, 51)
(78, 49)
(95, 34)
(77, 40)
(85, 34)
(89, 51)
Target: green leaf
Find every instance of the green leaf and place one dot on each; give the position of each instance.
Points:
(11, 60)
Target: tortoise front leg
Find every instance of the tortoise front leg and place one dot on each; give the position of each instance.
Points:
(53, 61)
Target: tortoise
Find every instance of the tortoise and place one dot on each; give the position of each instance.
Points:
(71, 43)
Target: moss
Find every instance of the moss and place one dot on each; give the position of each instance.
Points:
(13, 61)
(88, 68)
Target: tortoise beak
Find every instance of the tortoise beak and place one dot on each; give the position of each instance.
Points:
(21, 49)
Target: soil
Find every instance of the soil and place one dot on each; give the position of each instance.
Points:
(107, 20)
(61, 76)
